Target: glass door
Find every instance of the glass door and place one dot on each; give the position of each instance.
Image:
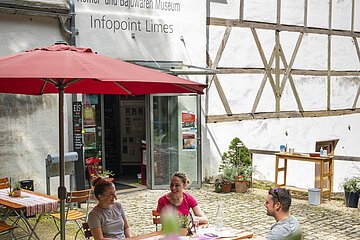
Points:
(174, 139)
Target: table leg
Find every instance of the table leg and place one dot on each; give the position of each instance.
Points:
(331, 177)
(285, 170)
(276, 170)
(31, 229)
(321, 182)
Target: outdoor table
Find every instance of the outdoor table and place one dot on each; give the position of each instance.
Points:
(160, 235)
(29, 204)
(329, 175)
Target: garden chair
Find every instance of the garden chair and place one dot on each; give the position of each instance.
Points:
(71, 214)
(156, 218)
(4, 183)
(6, 229)
(86, 230)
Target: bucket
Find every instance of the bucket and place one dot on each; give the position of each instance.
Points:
(314, 196)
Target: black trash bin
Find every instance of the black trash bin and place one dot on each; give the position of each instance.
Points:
(27, 184)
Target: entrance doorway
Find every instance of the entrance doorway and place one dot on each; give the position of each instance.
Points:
(124, 118)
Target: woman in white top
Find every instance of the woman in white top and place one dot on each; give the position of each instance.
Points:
(107, 219)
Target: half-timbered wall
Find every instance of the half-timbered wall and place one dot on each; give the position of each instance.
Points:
(284, 67)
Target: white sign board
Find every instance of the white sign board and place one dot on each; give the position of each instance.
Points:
(144, 29)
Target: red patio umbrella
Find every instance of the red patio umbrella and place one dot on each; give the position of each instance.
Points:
(65, 69)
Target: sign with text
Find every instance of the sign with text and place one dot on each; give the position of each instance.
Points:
(172, 30)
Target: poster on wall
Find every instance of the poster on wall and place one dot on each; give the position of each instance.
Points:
(89, 115)
(189, 140)
(89, 138)
(188, 119)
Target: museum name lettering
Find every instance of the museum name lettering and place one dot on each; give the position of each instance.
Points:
(170, 6)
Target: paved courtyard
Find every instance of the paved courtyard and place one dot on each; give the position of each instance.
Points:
(331, 220)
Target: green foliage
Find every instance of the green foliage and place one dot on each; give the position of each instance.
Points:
(237, 155)
(230, 173)
(352, 184)
(183, 221)
(106, 173)
(236, 162)
(16, 185)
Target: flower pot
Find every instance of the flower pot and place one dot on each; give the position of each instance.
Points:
(241, 187)
(16, 193)
(183, 231)
(225, 188)
(351, 199)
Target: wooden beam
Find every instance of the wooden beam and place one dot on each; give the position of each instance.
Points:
(352, 15)
(305, 12)
(358, 54)
(278, 12)
(284, 114)
(262, 85)
(222, 95)
(292, 60)
(328, 95)
(263, 59)
(220, 51)
(277, 68)
(292, 82)
(299, 72)
(241, 13)
(282, 27)
(277, 57)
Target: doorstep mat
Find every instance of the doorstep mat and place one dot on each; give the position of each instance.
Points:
(121, 186)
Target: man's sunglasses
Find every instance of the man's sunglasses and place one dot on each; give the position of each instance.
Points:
(276, 191)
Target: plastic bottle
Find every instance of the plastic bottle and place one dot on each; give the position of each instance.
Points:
(321, 151)
(219, 219)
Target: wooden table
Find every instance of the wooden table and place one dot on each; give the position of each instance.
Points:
(329, 175)
(160, 235)
(13, 205)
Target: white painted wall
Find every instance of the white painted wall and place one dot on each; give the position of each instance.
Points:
(241, 89)
(29, 124)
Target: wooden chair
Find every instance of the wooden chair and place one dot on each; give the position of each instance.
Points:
(71, 214)
(6, 229)
(156, 218)
(4, 183)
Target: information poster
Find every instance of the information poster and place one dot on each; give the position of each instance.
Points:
(188, 119)
(89, 115)
(189, 140)
(90, 138)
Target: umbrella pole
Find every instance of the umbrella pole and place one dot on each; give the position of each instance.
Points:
(62, 188)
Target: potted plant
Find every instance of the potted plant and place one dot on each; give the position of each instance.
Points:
(352, 189)
(222, 185)
(236, 161)
(15, 191)
(184, 225)
(241, 184)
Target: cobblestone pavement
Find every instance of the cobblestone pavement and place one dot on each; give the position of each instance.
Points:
(331, 220)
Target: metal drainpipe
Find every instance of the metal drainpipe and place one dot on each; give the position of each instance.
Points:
(72, 23)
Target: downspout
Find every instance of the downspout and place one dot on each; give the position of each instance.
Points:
(72, 32)
(72, 23)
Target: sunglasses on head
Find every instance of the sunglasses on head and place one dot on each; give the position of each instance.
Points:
(276, 191)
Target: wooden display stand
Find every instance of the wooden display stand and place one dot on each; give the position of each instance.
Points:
(327, 175)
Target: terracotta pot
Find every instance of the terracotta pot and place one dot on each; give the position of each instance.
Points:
(16, 193)
(183, 231)
(225, 188)
(241, 187)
